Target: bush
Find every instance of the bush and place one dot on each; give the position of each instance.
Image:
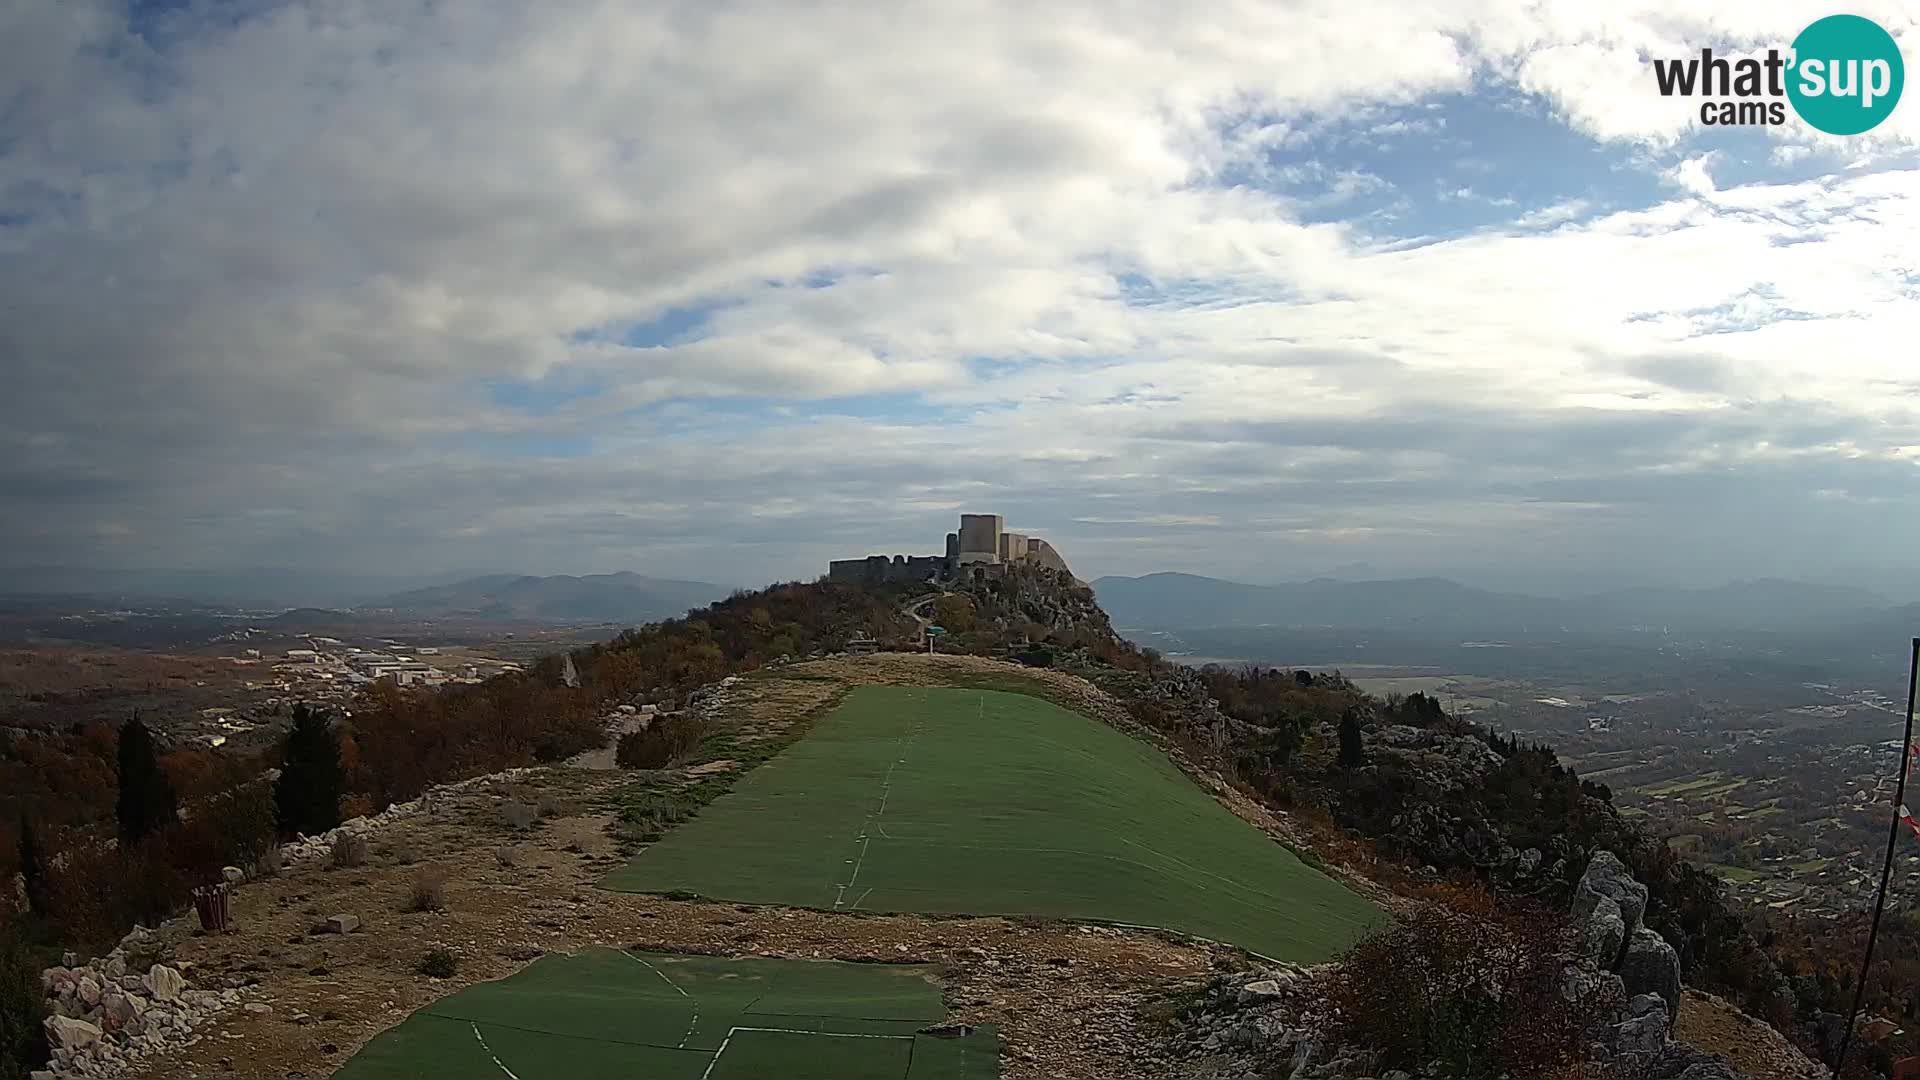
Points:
(349, 850)
(244, 820)
(551, 807)
(517, 815)
(438, 963)
(664, 742)
(429, 891)
(23, 1044)
(1478, 994)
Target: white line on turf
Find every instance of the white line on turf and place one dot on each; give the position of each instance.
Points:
(790, 1031)
(905, 745)
(691, 1024)
(490, 1053)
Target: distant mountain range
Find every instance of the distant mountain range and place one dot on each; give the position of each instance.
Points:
(625, 597)
(1187, 601)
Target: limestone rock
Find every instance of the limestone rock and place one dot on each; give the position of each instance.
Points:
(1651, 966)
(88, 991)
(66, 1032)
(1262, 991)
(233, 875)
(1605, 933)
(342, 923)
(164, 983)
(1607, 877)
(124, 1009)
(1644, 1033)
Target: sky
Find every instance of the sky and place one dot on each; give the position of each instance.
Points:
(722, 290)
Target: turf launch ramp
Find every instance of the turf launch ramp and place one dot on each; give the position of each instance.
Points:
(605, 1013)
(992, 803)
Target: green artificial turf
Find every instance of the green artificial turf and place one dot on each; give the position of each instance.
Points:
(646, 1016)
(972, 801)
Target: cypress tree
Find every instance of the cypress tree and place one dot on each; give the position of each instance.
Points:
(146, 802)
(306, 798)
(32, 869)
(1353, 753)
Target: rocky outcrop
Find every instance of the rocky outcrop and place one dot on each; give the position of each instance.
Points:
(1608, 906)
(1651, 966)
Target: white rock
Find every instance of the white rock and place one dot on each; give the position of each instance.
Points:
(115, 965)
(71, 1034)
(233, 874)
(342, 924)
(258, 1008)
(124, 1009)
(164, 983)
(88, 990)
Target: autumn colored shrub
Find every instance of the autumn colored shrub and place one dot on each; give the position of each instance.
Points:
(429, 890)
(666, 741)
(1474, 993)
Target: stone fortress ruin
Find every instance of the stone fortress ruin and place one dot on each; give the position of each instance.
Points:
(981, 545)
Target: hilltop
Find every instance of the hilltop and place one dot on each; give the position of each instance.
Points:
(1403, 804)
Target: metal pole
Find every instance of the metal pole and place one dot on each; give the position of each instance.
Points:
(1886, 874)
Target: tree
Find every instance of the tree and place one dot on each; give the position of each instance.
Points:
(1353, 753)
(32, 868)
(23, 1008)
(146, 802)
(954, 612)
(306, 798)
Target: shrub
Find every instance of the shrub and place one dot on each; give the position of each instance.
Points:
(1477, 994)
(349, 850)
(517, 815)
(23, 1007)
(243, 818)
(662, 743)
(429, 890)
(648, 816)
(438, 963)
(551, 807)
(353, 806)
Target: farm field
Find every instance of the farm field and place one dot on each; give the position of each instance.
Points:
(955, 801)
(605, 1013)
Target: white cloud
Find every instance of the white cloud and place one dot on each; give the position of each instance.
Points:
(292, 262)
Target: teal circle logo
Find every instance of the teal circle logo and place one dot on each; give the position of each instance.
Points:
(1846, 74)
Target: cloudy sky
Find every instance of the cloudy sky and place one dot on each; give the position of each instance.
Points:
(720, 290)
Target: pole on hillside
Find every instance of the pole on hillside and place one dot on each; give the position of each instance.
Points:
(1886, 874)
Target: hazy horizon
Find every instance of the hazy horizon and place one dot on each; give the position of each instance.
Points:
(719, 294)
